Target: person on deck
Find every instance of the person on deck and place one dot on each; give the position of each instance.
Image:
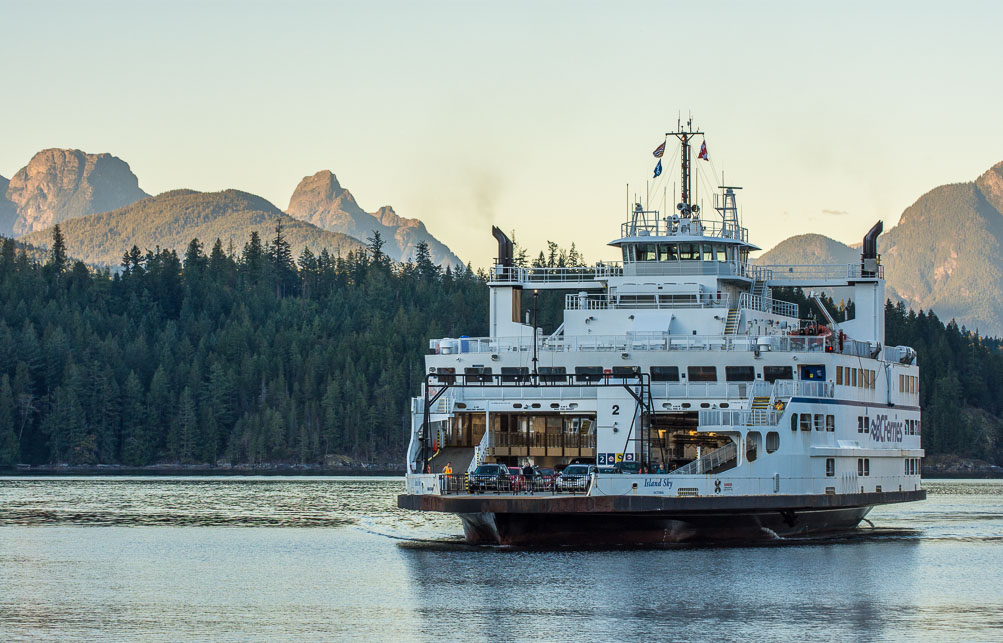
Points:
(527, 474)
(448, 469)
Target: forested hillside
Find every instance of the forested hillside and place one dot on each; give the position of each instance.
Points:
(172, 219)
(208, 357)
(256, 357)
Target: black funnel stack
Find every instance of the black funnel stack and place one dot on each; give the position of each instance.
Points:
(505, 249)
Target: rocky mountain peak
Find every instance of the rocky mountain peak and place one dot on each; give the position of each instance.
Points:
(321, 200)
(61, 184)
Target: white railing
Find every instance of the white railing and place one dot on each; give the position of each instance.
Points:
(790, 388)
(577, 274)
(653, 341)
(807, 272)
(676, 268)
(739, 417)
(696, 227)
(709, 462)
(768, 305)
(715, 299)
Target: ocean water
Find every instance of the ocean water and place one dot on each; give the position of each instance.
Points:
(333, 558)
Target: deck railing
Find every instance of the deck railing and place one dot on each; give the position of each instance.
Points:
(709, 461)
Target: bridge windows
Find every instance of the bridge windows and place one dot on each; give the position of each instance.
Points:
(702, 373)
(773, 373)
(908, 383)
(830, 467)
(739, 373)
(664, 373)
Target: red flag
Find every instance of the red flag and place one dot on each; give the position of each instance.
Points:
(703, 151)
(659, 150)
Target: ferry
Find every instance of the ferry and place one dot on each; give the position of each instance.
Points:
(679, 400)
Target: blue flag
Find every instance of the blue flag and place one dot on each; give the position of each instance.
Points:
(658, 168)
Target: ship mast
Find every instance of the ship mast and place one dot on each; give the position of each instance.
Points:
(685, 135)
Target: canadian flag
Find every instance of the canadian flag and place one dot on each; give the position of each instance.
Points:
(703, 151)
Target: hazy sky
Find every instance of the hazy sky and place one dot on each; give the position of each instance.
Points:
(532, 116)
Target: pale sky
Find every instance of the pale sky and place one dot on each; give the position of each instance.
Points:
(532, 116)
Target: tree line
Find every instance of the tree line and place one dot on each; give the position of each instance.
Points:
(259, 357)
(219, 357)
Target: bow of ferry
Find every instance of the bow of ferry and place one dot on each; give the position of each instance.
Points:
(701, 405)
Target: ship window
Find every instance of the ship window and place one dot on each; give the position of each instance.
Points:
(722, 253)
(626, 254)
(867, 466)
(646, 252)
(772, 441)
(839, 375)
(812, 372)
(773, 373)
(515, 374)
(860, 466)
(663, 252)
(553, 374)
(806, 421)
(853, 377)
(794, 421)
(739, 373)
(588, 373)
(830, 423)
(702, 373)
(445, 375)
(689, 251)
(673, 252)
(819, 422)
(708, 253)
(480, 374)
(664, 373)
(908, 463)
(830, 467)
(626, 372)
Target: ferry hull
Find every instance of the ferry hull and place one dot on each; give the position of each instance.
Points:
(590, 521)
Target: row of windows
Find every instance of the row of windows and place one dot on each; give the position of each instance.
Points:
(682, 252)
(908, 383)
(859, 377)
(805, 421)
(912, 427)
(731, 373)
(912, 466)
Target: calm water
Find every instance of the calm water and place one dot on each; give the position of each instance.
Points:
(314, 558)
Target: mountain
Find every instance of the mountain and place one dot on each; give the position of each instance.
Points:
(8, 211)
(173, 219)
(322, 201)
(944, 254)
(57, 185)
(810, 248)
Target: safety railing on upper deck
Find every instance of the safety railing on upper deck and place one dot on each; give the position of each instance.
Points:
(739, 417)
(768, 305)
(791, 388)
(808, 272)
(570, 276)
(716, 299)
(639, 341)
(692, 227)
